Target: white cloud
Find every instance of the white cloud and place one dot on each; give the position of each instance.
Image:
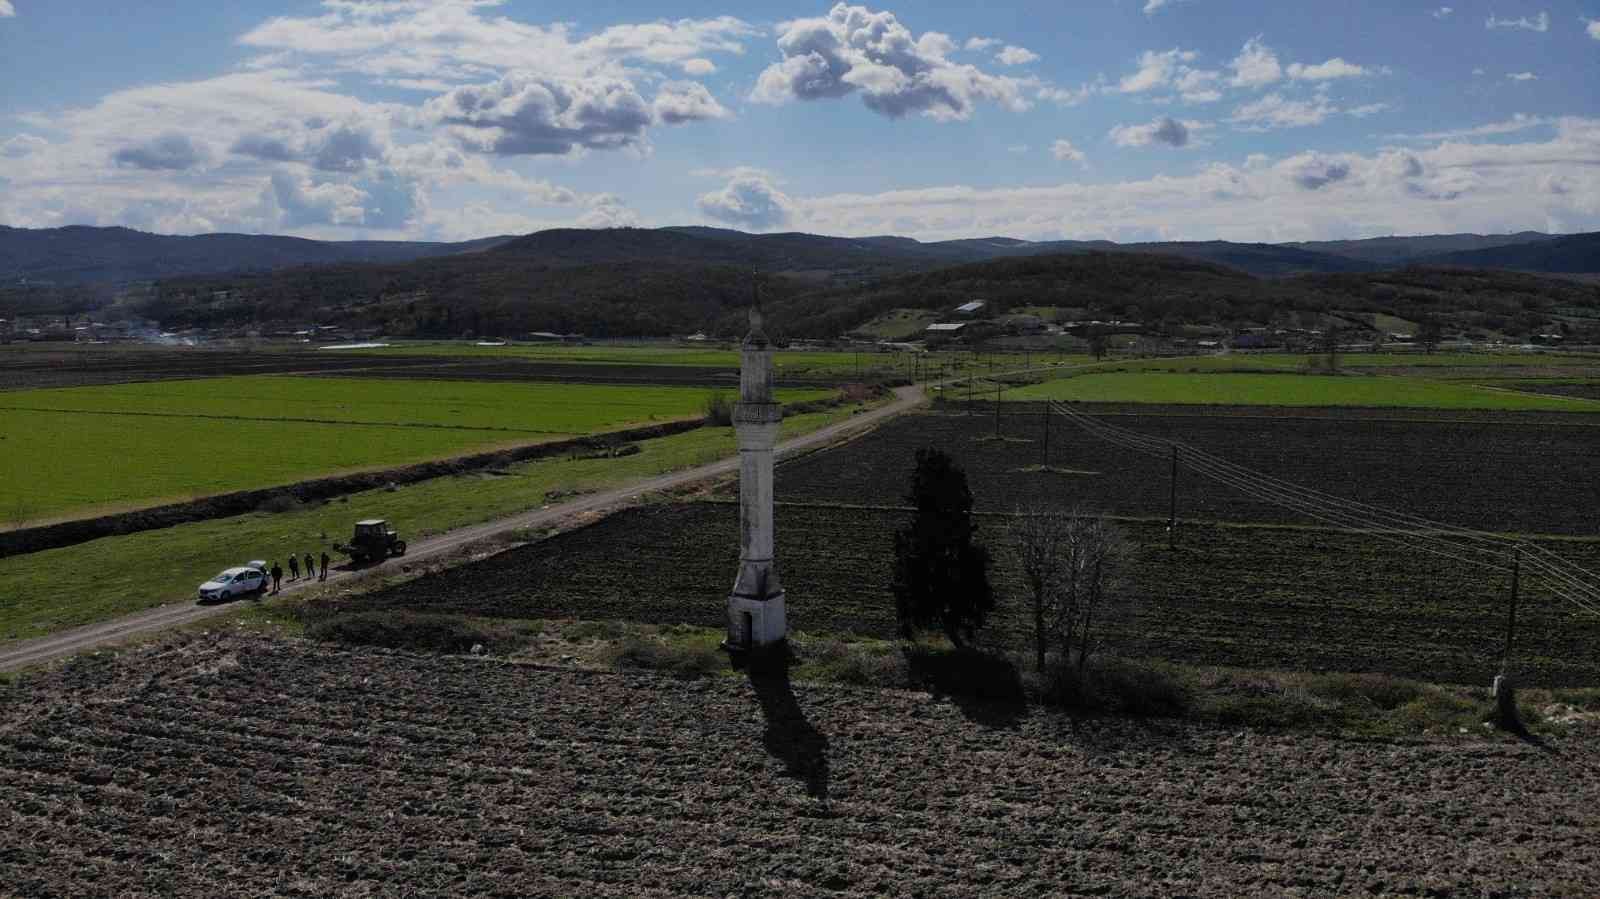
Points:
(525, 115)
(1152, 6)
(698, 67)
(1539, 23)
(1522, 76)
(22, 145)
(6, 9)
(687, 101)
(1592, 27)
(608, 211)
(1518, 122)
(1274, 111)
(748, 201)
(1551, 185)
(1368, 109)
(1477, 71)
(1156, 70)
(855, 49)
(1165, 130)
(1443, 12)
(980, 43)
(1333, 68)
(1198, 86)
(1064, 151)
(1255, 66)
(172, 151)
(1013, 55)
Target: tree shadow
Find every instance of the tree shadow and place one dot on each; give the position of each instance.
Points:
(789, 736)
(987, 688)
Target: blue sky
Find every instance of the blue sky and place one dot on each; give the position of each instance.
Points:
(1124, 119)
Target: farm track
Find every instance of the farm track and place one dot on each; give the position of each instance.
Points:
(1272, 598)
(214, 765)
(32, 652)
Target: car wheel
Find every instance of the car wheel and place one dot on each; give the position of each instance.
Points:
(399, 547)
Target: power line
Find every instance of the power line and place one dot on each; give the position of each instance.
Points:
(1565, 579)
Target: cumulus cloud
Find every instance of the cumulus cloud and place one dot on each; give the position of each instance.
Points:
(748, 201)
(6, 9)
(1539, 23)
(1151, 7)
(22, 145)
(1063, 150)
(1156, 70)
(698, 66)
(686, 101)
(855, 49)
(1443, 12)
(1274, 111)
(299, 201)
(1522, 76)
(529, 115)
(1313, 171)
(1591, 27)
(1256, 65)
(608, 211)
(980, 43)
(1165, 130)
(171, 151)
(1327, 71)
(329, 146)
(1013, 55)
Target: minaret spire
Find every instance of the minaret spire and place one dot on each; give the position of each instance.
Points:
(756, 605)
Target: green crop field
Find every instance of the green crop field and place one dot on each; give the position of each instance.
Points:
(1288, 390)
(68, 451)
(794, 362)
(39, 595)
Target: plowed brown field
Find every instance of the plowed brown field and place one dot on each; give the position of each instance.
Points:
(1259, 597)
(244, 766)
(1510, 472)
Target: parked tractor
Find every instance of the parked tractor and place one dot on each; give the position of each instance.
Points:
(373, 541)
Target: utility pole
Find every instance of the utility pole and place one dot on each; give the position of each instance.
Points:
(1045, 458)
(997, 408)
(1172, 504)
(1511, 613)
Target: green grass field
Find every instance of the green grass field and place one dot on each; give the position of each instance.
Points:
(40, 592)
(792, 362)
(68, 451)
(1288, 390)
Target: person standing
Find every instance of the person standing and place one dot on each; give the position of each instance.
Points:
(277, 577)
(294, 567)
(311, 567)
(325, 560)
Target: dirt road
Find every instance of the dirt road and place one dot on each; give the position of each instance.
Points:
(42, 649)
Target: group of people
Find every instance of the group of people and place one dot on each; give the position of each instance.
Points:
(276, 571)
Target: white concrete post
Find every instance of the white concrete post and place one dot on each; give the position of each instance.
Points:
(755, 606)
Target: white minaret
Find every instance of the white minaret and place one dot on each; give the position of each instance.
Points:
(755, 607)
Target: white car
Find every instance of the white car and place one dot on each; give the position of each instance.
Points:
(234, 582)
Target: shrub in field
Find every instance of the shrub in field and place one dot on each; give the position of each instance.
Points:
(941, 574)
(683, 656)
(718, 409)
(280, 502)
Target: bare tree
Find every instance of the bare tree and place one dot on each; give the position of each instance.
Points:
(1068, 561)
(1039, 538)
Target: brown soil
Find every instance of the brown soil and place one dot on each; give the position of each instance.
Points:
(244, 766)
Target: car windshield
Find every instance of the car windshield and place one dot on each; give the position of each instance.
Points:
(222, 578)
